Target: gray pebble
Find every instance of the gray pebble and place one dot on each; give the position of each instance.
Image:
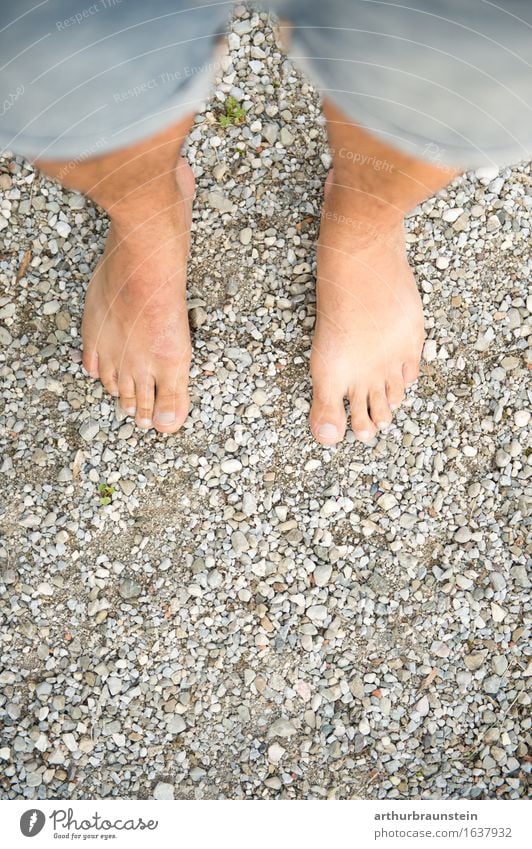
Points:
(286, 137)
(492, 684)
(89, 429)
(322, 574)
(129, 588)
(463, 534)
(282, 728)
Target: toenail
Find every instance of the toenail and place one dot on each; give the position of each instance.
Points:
(165, 418)
(144, 422)
(383, 425)
(129, 411)
(393, 406)
(328, 431)
(364, 435)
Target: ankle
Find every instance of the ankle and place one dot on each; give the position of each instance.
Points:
(138, 197)
(365, 200)
(149, 223)
(364, 220)
(132, 265)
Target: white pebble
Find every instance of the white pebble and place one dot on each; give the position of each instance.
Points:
(163, 791)
(430, 350)
(231, 466)
(322, 574)
(521, 418)
(275, 753)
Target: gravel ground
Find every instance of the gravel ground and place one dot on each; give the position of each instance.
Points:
(252, 615)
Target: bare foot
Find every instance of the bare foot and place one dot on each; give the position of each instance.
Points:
(135, 326)
(369, 329)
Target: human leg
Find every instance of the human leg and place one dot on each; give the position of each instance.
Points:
(413, 94)
(101, 100)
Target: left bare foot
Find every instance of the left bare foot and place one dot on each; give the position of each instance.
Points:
(135, 327)
(369, 328)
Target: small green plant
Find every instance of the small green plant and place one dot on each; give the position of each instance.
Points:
(234, 113)
(106, 493)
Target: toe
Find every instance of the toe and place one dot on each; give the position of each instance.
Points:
(145, 394)
(128, 400)
(327, 416)
(395, 390)
(171, 407)
(361, 424)
(109, 379)
(379, 408)
(329, 180)
(90, 361)
(410, 371)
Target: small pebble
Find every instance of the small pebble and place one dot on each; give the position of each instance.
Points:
(163, 791)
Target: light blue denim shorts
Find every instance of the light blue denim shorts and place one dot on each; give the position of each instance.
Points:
(449, 81)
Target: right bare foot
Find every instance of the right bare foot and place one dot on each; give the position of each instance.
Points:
(369, 327)
(135, 327)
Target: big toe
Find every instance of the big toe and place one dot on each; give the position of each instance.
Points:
(172, 404)
(327, 416)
